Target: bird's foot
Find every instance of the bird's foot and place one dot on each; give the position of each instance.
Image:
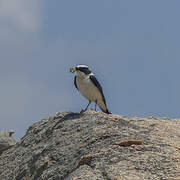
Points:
(92, 109)
(83, 110)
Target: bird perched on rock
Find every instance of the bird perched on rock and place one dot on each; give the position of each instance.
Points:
(89, 87)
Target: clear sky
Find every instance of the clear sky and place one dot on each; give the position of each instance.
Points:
(133, 47)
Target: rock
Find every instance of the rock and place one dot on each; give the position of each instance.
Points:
(6, 140)
(95, 146)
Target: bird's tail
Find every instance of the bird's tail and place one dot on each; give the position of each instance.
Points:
(106, 111)
(103, 107)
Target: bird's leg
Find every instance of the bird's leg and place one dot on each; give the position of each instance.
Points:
(86, 107)
(95, 105)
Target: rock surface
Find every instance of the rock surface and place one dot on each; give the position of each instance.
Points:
(6, 140)
(95, 146)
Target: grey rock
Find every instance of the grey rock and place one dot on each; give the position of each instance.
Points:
(91, 146)
(6, 140)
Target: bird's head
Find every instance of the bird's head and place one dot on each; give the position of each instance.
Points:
(81, 70)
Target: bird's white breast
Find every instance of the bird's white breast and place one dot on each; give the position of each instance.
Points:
(88, 89)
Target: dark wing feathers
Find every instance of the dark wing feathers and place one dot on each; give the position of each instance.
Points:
(75, 83)
(95, 81)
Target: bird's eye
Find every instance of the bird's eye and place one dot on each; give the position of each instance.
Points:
(84, 70)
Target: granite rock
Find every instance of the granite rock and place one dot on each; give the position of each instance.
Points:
(95, 146)
(6, 140)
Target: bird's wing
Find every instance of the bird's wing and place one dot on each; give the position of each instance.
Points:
(96, 83)
(75, 83)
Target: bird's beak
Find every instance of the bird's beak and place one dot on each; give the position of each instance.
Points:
(73, 69)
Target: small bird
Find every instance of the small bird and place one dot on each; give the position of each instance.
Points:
(89, 87)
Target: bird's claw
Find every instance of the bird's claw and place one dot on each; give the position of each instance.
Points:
(83, 110)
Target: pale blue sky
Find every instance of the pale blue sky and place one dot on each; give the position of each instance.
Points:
(133, 47)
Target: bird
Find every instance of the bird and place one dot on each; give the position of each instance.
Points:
(89, 87)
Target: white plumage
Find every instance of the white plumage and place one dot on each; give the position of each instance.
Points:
(89, 87)
(90, 91)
